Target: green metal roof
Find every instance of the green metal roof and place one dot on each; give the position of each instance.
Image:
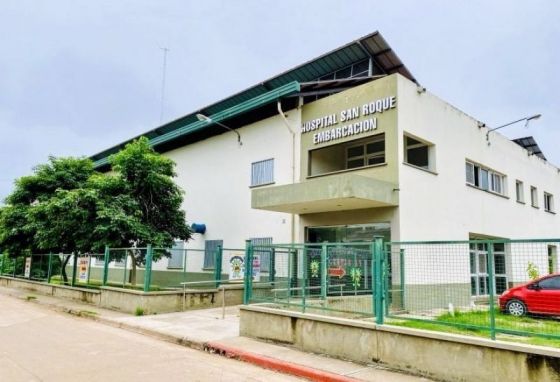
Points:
(371, 46)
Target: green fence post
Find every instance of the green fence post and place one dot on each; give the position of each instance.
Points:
(491, 289)
(125, 263)
(378, 272)
(106, 265)
(401, 262)
(218, 265)
(49, 269)
(148, 268)
(88, 270)
(289, 294)
(373, 278)
(74, 268)
(272, 266)
(385, 274)
(324, 271)
(248, 272)
(304, 285)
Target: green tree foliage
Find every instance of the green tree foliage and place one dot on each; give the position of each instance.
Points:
(67, 207)
(24, 220)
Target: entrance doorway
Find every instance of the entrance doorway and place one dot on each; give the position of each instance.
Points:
(348, 233)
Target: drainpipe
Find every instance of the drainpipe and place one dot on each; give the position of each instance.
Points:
(293, 133)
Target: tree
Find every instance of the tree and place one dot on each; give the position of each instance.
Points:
(67, 207)
(149, 210)
(30, 222)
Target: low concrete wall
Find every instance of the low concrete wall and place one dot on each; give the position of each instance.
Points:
(169, 301)
(91, 296)
(436, 355)
(128, 300)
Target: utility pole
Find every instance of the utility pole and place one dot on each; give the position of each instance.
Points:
(165, 50)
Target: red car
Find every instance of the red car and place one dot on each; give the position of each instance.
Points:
(541, 296)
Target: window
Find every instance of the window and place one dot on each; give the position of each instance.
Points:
(479, 269)
(177, 255)
(548, 202)
(519, 191)
(349, 155)
(366, 153)
(485, 179)
(418, 153)
(552, 259)
(210, 248)
(534, 197)
(262, 172)
(264, 253)
(551, 283)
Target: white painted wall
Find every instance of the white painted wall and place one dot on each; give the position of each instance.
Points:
(216, 174)
(442, 207)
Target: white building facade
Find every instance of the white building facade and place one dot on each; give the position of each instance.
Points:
(348, 146)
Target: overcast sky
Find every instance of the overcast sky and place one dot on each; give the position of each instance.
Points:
(77, 77)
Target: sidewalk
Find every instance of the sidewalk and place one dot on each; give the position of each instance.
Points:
(207, 330)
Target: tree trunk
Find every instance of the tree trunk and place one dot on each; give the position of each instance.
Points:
(63, 270)
(132, 277)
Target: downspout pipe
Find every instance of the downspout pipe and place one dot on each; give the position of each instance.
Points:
(293, 164)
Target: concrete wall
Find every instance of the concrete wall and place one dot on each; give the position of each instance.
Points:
(91, 296)
(127, 300)
(435, 355)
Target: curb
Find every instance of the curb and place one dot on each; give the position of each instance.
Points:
(276, 364)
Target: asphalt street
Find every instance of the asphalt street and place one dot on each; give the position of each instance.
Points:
(38, 344)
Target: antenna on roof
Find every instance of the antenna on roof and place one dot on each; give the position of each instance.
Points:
(164, 70)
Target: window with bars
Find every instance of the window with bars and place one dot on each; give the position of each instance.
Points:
(177, 255)
(264, 253)
(210, 248)
(262, 172)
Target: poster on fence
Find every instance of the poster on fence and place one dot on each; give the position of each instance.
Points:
(256, 268)
(237, 268)
(83, 269)
(27, 270)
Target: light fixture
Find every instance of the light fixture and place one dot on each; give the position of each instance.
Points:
(204, 118)
(526, 119)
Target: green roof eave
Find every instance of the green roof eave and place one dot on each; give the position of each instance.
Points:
(240, 108)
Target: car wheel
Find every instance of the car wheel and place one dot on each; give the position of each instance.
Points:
(516, 308)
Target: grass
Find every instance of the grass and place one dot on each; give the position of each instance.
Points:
(477, 323)
(139, 311)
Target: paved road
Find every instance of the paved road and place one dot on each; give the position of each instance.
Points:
(37, 344)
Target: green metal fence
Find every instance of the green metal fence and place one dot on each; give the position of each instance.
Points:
(146, 268)
(340, 279)
(452, 286)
